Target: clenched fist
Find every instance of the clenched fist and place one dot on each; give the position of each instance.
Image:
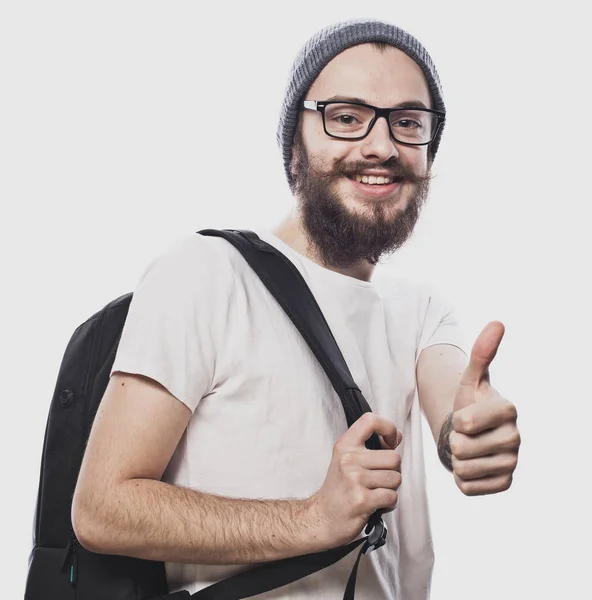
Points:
(359, 481)
(479, 440)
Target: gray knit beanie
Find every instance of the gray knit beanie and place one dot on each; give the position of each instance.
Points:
(326, 45)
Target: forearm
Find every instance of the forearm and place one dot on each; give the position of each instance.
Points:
(439, 371)
(157, 521)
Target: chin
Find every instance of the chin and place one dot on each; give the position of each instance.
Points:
(396, 202)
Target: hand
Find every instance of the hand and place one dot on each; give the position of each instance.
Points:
(484, 440)
(359, 481)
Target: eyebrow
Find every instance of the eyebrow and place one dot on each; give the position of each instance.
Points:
(406, 104)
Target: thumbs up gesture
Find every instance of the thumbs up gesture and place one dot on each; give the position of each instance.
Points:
(483, 437)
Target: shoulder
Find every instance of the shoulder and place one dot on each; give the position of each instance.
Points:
(405, 292)
(191, 256)
(193, 265)
(193, 249)
(415, 300)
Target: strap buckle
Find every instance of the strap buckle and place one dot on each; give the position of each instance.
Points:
(376, 538)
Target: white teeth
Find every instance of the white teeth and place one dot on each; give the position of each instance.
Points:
(373, 179)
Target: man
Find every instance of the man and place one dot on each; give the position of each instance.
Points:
(220, 442)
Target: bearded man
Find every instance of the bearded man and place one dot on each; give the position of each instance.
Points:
(220, 442)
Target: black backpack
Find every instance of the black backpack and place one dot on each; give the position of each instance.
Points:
(59, 568)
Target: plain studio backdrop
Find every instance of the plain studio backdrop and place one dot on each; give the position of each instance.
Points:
(126, 125)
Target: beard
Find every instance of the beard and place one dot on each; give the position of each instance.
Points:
(341, 238)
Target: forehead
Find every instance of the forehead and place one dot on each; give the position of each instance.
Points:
(381, 77)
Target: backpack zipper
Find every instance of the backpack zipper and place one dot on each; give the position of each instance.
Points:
(71, 551)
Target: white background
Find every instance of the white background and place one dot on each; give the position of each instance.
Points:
(125, 125)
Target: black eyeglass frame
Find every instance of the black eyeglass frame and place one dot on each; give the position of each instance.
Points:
(378, 112)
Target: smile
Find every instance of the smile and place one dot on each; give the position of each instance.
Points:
(376, 179)
(373, 179)
(375, 185)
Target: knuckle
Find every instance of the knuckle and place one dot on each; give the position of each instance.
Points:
(513, 461)
(467, 422)
(346, 459)
(461, 468)
(467, 489)
(391, 461)
(511, 412)
(389, 499)
(464, 486)
(360, 500)
(369, 419)
(339, 447)
(507, 482)
(394, 499)
(500, 484)
(456, 445)
(514, 441)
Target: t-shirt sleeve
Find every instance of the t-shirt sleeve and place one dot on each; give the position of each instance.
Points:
(170, 328)
(441, 324)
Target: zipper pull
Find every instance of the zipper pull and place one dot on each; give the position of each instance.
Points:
(74, 566)
(71, 551)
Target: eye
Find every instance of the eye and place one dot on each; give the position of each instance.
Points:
(346, 119)
(407, 124)
(343, 119)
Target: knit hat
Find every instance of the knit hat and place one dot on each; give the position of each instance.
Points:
(325, 45)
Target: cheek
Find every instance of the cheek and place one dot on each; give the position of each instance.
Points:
(322, 150)
(415, 157)
(324, 156)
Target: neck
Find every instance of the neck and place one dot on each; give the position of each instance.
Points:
(291, 231)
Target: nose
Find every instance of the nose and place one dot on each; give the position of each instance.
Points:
(379, 143)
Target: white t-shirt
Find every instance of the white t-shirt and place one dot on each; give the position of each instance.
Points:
(265, 416)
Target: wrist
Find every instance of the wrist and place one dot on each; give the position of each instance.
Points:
(316, 528)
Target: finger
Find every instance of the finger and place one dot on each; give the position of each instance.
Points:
(390, 442)
(481, 416)
(378, 460)
(505, 438)
(485, 485)
(483, 352)
(372, 480)
(365, 426)
(382, 498)
(474, 468)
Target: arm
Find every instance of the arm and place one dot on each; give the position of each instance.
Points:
(478, 440)
(439, 371)
(120, 506)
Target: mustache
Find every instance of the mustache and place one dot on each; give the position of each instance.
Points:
(393, 166)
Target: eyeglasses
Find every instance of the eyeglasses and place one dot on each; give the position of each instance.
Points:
(354, 121)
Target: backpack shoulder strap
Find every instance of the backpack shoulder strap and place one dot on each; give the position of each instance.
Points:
(288, 287)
